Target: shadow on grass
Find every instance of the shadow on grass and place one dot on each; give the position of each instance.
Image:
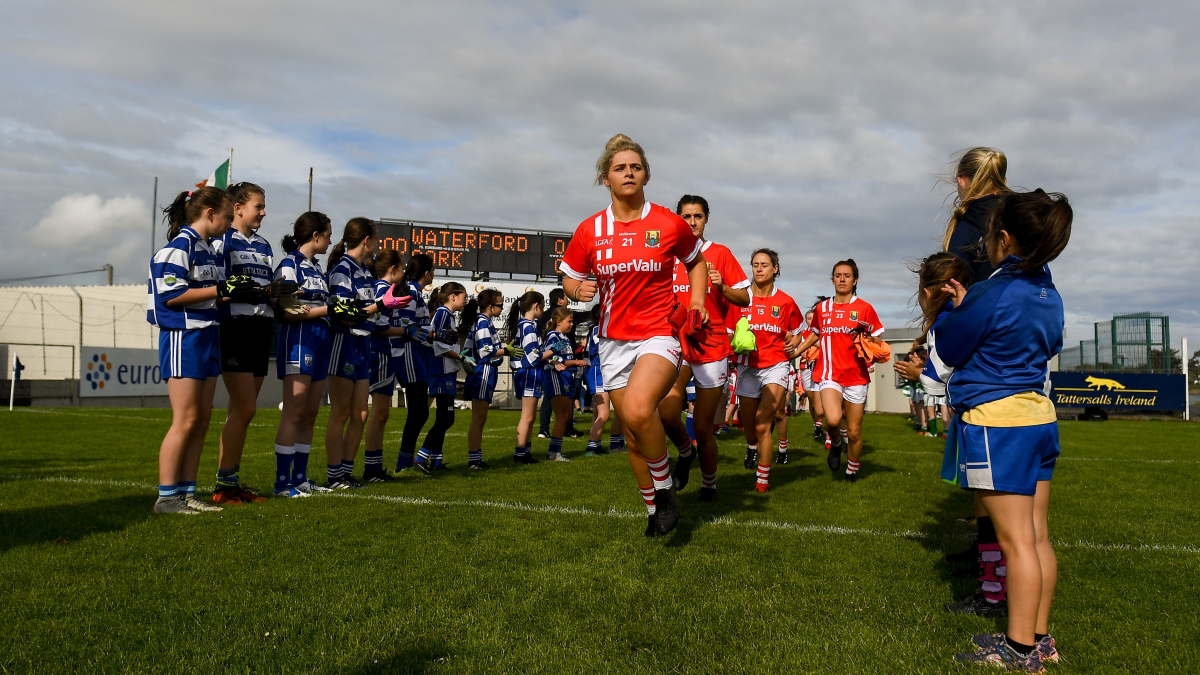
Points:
(413, 660)
(942, 534)
(68, 523)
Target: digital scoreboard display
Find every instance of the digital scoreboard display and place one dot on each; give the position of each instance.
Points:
(476, 249)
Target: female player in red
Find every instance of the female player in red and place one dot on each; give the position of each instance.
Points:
(762, 382)
(706, 356)
(840, 374)
(808, 362)
(631, 248)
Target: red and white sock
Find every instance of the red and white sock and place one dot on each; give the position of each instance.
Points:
(763, 474)
(660, 470)
(648, 497)
(851, 467)
(783, 443)
(708, 480)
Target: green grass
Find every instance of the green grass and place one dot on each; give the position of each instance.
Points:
(544, 569)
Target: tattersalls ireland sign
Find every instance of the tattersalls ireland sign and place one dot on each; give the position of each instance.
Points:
(1118, 391)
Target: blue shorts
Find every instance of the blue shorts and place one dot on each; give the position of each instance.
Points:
(481, 384)
(556, 383)
(594, 380)
(528, 382)
(414, 364)
(444, 384)
(1006, 459)
(383, 373)
(303, 350)
(194, 353)
(350, 356)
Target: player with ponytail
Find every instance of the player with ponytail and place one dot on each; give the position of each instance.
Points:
(482, 345)
(448, 358)
(387, 344)
(525, 359)
(417, 357)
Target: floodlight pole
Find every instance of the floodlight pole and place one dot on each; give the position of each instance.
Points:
(153, 216)
(1187, 398)
(310, 188)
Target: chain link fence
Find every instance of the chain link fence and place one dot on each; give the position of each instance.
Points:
(1128, 343)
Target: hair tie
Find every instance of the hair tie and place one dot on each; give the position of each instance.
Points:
(190, 193)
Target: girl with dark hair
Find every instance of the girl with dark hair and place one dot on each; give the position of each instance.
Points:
(998, 338)
(417, 357)
(443, 372)
(841, 375)
(808, 361)
(706, 355)
(762, 379)
(246, 329)
(525, 361)
(352, 290)
(387, 344)
(600, 405)
(557, 376)
(631, 247)
(184, 288)
(483, 346)
(302, 355)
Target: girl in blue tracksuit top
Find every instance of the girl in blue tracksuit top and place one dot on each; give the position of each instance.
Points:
(483, 346)
(998, 339)
(450, 298)
(526, 363)
(413, 370)
(183, 290)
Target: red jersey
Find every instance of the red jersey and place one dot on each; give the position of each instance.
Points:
(836, 324)
(633, 263)
(771, 319)
(713, 342)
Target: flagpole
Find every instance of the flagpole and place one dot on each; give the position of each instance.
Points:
(229, 173)
(310, 188)
(153, 216)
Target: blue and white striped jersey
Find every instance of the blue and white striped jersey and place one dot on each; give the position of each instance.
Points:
(348, 279)
(388, 318)
(527, 338)
(481, 342)
(443, 320)
(239, 254)
(560, 345)
(936, 373)
(417, 312)
(314, 290)
(186, 262)
(593, 345)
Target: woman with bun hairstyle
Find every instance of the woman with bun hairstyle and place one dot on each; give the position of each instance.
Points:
(443, 371)
(302, 355)
(631, 248)
(980, 179)
(413, 371)
(184, 289)
(526, 363)
(841, 375)
(352, 291)
(387, 345)
(246, 329)
(705, 356)
(998, 339)
(762, 381)
(482, 345)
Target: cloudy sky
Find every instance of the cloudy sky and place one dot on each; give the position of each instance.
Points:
(814, 128)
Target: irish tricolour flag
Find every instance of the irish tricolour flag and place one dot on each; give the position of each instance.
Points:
(219, 177)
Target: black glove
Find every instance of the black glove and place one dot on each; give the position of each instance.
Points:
(282, 288)
(447, 336)
(347, 311)
(241, 288)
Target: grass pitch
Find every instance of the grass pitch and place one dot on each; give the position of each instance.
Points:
(544, 569)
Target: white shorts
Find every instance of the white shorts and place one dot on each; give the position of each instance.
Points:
(617, 357)
(853, 394)
(932, 401)
(710, 375)
(806, 379)
(750, 381)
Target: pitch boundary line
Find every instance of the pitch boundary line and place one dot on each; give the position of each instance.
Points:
(613, 512)
(1061, 458)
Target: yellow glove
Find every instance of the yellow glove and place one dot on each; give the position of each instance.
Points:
(743, 338)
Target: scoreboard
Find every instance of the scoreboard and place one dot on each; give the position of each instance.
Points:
(469, 248)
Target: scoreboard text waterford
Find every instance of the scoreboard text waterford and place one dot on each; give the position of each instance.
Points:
(476, 249)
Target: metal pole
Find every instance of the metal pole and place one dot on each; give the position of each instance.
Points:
(310, 188)
(42, 301)
(110, 271)
(114, 323)
(80, 328)
(153, 217)
(1187, 397)
(229, 173)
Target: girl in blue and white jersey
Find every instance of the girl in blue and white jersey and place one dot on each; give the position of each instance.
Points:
(246, 329)
(595, 384)
(302, 353)
(999, 338)
(387, 347)
(526, 361)
(182, 294)
(443, 371)
(413, 371)
(557, 376)
(483, 346)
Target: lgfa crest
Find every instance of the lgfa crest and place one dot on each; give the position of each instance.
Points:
(775, 311)
(854, 316)
(652, 238)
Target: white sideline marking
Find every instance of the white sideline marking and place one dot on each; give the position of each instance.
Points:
(1061, 458)
(722, 521)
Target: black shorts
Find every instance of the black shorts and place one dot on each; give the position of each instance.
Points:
(246, 344)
